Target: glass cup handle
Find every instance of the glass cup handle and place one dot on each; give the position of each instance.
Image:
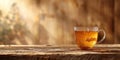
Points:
(101, 30)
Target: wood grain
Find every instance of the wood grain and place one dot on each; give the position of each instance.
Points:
(117, 21)
(38, 52)
(61, 50)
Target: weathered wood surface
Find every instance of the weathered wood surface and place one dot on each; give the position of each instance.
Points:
(117, 21)
(72, 52)
(57, 50)
(60, 57)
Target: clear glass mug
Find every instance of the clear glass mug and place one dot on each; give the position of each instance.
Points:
(86, 37)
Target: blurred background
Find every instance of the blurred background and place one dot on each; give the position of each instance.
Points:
(51, 22)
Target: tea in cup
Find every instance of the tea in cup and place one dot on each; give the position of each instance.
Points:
(86, 37)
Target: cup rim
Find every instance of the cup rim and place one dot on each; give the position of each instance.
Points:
(81, 28)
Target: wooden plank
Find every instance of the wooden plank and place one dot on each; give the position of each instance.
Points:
(38, 52)
(101, 14)
(75, 15)
(60, 18)
(61, 50)
(72, 45)
(61, 57)
(117, 21)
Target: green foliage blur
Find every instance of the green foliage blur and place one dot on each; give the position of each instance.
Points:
(11, 26)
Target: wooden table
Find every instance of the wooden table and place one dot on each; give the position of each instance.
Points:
(72, 52)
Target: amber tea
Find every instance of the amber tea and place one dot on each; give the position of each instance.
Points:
(86, 37)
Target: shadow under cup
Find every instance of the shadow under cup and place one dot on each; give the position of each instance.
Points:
(86, 37)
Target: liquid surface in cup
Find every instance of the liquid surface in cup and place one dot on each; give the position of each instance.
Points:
(86, 39)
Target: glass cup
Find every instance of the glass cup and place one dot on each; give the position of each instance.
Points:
(86, 37)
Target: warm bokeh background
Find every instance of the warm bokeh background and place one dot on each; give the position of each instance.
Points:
(51, 22)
